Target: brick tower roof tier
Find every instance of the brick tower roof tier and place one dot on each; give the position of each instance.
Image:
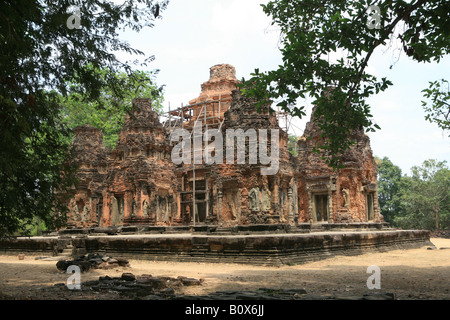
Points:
(358, 155)
(87, 145)
(89, 155)
(142, 129)
(222, 81)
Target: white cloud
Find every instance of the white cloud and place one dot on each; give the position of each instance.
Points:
(239, 19)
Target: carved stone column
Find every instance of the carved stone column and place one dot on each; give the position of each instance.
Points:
(179, 207)
(219, 203)
(293, 201)
(291, 205)
(330, 206)
(275, 194)
(310, 206)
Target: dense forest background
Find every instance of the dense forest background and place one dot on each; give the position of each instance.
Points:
(417, 201)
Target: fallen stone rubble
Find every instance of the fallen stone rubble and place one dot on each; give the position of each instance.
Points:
(139, 287)
(441, 234)
(92, 261)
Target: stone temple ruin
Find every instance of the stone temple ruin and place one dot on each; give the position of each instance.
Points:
(137, 202)
(139, 184)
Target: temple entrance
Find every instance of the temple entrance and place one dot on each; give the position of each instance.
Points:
(201, 211)
(117, 210)
(99, 210)
(320, 208)
(200, 200)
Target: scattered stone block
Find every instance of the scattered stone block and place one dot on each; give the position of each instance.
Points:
(94, 261)
(128, 277)
(143, 287)
(190, 281)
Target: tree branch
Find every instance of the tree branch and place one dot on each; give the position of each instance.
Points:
(385, 35)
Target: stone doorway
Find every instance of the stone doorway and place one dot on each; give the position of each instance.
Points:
(117, 210)
(200, 200)
(320, 208)
(201, 211)
(99, 210)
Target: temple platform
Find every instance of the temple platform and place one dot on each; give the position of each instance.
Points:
(257, 244)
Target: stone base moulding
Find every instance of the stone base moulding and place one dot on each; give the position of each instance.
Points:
(256, 249)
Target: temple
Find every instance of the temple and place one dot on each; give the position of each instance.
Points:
(140, 183)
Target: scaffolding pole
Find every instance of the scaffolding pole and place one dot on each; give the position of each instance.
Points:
(194, 205)
(170, 121)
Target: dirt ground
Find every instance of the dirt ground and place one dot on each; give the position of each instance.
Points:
(409, 274)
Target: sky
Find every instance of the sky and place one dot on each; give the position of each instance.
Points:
(194, 35)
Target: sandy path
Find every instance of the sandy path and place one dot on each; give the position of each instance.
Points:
(410, 274)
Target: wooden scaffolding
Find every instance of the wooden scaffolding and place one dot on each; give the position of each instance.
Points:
(195, 201)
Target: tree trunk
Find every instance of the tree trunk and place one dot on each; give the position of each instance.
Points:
(436, 217)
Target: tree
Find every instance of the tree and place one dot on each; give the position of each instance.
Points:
(429, 197)
(422, 200)
(292, 145)
(391, 185)
(419, 201)
(108, 112)
(313, 30)
(439, 111)
(44, 45)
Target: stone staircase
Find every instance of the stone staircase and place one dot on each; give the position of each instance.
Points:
(66, 252)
